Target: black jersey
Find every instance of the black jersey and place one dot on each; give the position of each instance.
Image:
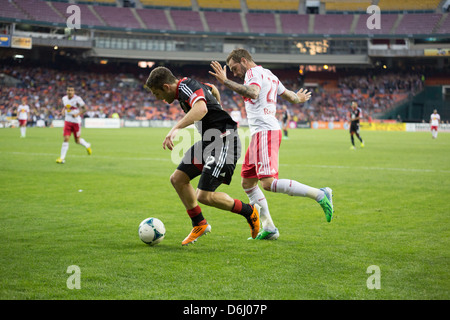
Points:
(356, 113)
(285, 116)
(189, 91)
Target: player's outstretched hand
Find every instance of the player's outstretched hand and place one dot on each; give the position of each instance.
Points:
(304, 95)
(219, 72)
(168, 140)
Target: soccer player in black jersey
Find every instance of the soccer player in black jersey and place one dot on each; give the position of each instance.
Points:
(213, 158)
(356, 115)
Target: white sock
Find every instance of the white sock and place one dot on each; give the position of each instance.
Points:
(64, 148)
(84, 143)
(23, 131)
(255, 195)
(294, 188)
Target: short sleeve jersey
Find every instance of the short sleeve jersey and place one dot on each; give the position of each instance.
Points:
(435, 119)
(72, 107)
(356, 113)
(189, 91)
(261, 112)
(22, 112)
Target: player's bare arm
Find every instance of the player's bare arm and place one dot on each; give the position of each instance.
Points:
(300, 96)
(220, 74)
(215, 92)
(198, 111)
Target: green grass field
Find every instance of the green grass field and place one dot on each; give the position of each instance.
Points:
(390, 211)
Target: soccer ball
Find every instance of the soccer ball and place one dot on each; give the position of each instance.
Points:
(152, 231)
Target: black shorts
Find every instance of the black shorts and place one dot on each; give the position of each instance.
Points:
(214, 160)
(354, 127)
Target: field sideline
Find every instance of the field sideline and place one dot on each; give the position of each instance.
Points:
(391, 211)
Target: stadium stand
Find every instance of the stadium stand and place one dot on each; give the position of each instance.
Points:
(333, 23)
(415, 23)
(154, 19)
(220, 4)
(118, 17)
(408, 5)
(387, 23)
(167, 3)
(223, 21)
(294, 23)
(445, 25)
(89, 18)
(186, 20)
(349, 5)
(229, 18)
(273, 5)
(261, 22)
(11, 10)
(39, 10)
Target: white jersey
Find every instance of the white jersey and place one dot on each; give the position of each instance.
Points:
(236, 116)
(261, 112)
(435, 118)
(22, 112)
(72, 108)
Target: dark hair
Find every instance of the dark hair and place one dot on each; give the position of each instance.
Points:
(158, 77)
(238, 54)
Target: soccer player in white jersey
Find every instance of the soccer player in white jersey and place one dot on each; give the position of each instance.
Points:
(435, 118)
(73, 108)
(22, 115)
(260, 90)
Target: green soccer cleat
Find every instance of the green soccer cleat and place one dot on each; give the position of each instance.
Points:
(266, 235)
(327, 203)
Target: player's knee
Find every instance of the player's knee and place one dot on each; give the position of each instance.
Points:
(266, 183)
(204, 198)
(175, 179)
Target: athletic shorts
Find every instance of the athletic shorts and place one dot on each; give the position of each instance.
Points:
(71, 127)
(354, 127)
(434, 128)
(214, 161)
(261, 159)
(22, 123)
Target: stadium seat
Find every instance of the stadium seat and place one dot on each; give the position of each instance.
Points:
(445, 26)
(261, 23)
(294, 23)
(333, 23)
(418, 23)
(186, 20)
(10, 11)
(273, 5)
(154, 19)
(348, 5)
(167, 3)
(87, 17)
(40, 10)
(387, 22)
(118, 17)
(408, 5)
(220, 4)
(223, 21)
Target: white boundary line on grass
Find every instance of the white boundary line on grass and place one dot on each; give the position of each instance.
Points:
(295, 164)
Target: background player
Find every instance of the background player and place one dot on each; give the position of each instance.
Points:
(73, 108)
(23, 112)
(356, 115)
(285, 118)
(435, 119)
(214, 157)
(260, 90)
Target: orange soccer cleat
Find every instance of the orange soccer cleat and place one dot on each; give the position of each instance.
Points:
(196, 233)
(253, 220)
